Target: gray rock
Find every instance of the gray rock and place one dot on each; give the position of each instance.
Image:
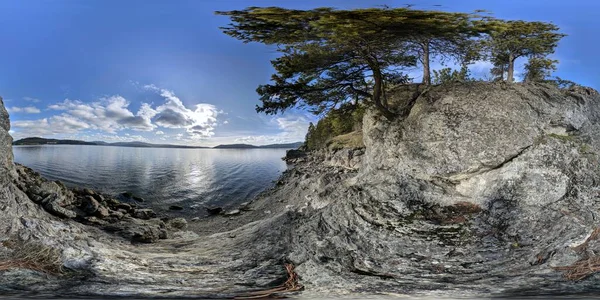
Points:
(88, 192)
(233, 212)
(57, 210)
(103, 212)
(124, 206)
(481, 190)
(214, 210)
(90, 205)
(245, 206)
(144, 213)
(177, 223)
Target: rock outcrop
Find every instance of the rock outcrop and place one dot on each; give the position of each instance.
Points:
(482, 189)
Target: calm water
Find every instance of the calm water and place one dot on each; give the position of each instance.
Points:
(192, 178)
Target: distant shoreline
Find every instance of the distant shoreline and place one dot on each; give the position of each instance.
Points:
(160, 147)
(36, 141)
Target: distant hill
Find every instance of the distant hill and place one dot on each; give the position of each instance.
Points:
(43, 141)
(271, 146)
(235, 146)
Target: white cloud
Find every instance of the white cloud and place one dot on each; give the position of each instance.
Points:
(111, 138)
(225, 122)
(199, 123)
(109, 114)
(62, 124)
(27, 109)
(293, 129)
(112, 114)
(31, 99)
(481, 68)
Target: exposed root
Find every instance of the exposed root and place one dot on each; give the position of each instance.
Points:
(290, 285)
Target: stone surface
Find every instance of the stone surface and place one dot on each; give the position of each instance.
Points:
(177, 223)
(144, 213)
(481, 190)
(233, 212)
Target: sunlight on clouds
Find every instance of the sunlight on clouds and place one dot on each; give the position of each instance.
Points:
(198, 123)
(108, 114)
(112, 114)
(293, 129)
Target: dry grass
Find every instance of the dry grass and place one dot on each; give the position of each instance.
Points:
(290, 285)
(581, 269)
(585, 267)
(32, 255)
(352, 140)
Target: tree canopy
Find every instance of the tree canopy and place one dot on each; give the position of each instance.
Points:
(509, 40)
(330, 57)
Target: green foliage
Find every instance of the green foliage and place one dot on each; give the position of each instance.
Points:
(509, 40)
(448, 75)
(330, 57)
(500, 62)
(352, 140)
(562, 83)
(337, 122)
(538, 69)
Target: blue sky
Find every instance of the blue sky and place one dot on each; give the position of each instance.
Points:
(162, 71)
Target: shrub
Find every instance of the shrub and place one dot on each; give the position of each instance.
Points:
(345, 119)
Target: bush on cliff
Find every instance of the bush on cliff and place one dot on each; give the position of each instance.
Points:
(343, 120)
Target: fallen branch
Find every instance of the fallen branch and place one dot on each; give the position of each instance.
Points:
(291, 285)
(581, 269)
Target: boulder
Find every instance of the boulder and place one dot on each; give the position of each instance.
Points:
(144, 213)
(214, 210)
(90, 205)
(103, 212)
(175, 207)
(88, 192)
(177, 223)
(124, 206)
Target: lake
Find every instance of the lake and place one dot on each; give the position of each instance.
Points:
(192, 178)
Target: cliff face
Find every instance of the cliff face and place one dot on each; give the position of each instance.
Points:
(483, 188)
(6, 156)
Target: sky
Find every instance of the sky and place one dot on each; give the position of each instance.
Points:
(163, 72)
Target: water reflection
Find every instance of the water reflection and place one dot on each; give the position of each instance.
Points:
(186, 177)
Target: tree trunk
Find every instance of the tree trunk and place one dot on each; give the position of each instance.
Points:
(511, 69)
(377, 92)
(425, 61)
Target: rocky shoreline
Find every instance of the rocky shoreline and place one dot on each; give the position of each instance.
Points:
(483, 189)
(137, 224)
